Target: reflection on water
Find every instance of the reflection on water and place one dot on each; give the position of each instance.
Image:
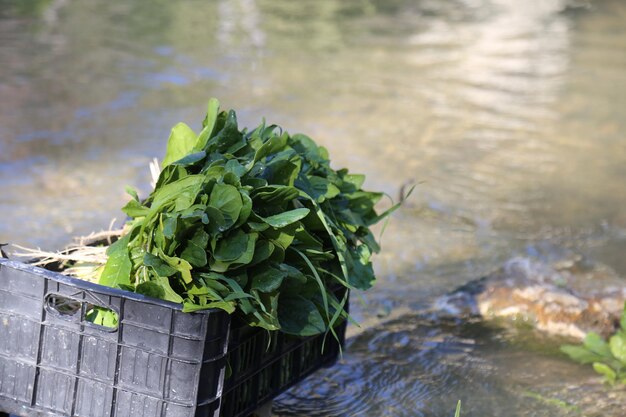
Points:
(509, 114)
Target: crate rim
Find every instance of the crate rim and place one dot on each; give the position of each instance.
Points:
(85, 285)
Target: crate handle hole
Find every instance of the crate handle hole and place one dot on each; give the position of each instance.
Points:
(63, 306)
(101, 317)
(94, 315)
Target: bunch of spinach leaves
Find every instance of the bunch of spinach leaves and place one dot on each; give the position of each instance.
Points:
(255, 221)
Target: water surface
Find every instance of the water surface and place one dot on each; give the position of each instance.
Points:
(509, 115)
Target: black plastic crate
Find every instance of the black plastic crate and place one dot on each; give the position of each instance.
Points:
(269, 371)
(158, 361)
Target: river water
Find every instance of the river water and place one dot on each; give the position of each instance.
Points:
(509, 115)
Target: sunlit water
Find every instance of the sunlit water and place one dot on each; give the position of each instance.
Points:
(509, 115)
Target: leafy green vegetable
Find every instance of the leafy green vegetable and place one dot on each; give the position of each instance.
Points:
(102, 317)
(608, 359)
(250, 221)
(180, 144)
(118, 267)
(286, 218)
(300, 316)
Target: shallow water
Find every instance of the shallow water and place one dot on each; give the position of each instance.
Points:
(509, 115)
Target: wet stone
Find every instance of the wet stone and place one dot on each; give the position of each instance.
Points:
(569, 297)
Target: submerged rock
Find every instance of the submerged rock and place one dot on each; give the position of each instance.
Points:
(566, 298)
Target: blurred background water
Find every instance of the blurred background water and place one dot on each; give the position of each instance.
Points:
(509, 115)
